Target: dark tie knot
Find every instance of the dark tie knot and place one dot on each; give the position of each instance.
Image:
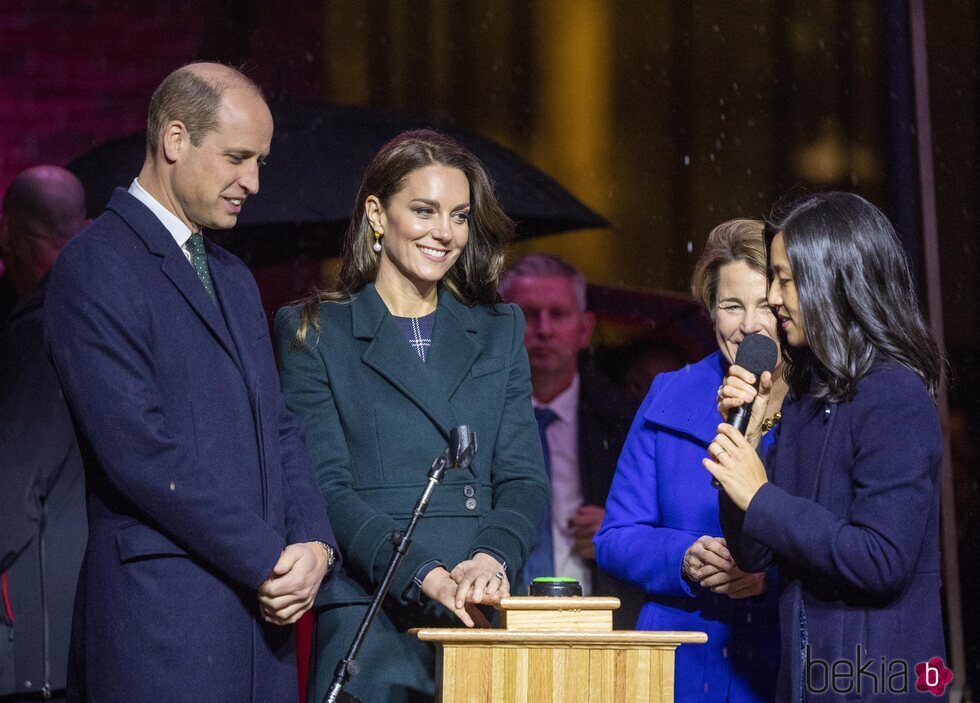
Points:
(545, 416)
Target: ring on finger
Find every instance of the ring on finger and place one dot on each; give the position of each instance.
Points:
(720, 452)
(500, 575)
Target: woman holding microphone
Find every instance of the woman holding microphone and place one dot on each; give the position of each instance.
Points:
(661, 530)
(846, 504)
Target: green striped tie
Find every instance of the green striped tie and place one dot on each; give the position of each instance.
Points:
(199, 259)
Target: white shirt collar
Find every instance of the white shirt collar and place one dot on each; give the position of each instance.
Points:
(180, 232)
(565, 404)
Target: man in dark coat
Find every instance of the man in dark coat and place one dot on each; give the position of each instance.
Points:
(587, 422)
(207, 533)
(42, 499)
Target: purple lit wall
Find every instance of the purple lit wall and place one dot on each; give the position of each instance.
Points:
(76, 74)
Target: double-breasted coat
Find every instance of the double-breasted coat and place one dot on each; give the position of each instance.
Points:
(376, 416)
(196, 473)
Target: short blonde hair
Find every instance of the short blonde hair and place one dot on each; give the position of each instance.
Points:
(734, 240)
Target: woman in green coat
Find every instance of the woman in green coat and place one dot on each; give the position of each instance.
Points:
(411, 343)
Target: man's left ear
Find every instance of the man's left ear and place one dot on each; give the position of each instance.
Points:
(173, 137)
(586, 328)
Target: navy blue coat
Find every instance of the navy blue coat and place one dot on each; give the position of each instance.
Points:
(197, 474)
(376, 417)
(662, 501)
(851, 518)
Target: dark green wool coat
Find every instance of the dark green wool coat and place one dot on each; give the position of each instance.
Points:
(376, 417)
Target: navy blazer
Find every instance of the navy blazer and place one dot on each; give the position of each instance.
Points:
(197, 474)
(851, 518)
(376, 416)
(660, 503)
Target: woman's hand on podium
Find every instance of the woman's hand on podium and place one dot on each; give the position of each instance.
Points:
(440, 586)
(481, 579)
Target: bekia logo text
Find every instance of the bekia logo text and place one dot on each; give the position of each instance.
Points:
(866, 674)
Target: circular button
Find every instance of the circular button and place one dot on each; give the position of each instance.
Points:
(468, 491)
(470, 503)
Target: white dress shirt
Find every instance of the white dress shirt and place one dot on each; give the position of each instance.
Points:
(566, 485)
(178, 230)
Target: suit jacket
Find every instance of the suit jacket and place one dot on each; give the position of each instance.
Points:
(851, 518)
(197, 474)
(42, 505)
(661, 502)
(376, 417)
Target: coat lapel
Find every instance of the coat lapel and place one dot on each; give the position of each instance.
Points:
(454, 347)
(181, 274)
(692, 409)
(428, 385)
(175, 265)
(231, 293)
(807, 427)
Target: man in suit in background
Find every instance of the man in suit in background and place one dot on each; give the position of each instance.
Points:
(207, 532)
(42, 489)
(583, 419)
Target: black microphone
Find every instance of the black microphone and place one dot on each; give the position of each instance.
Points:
(756, 354)
(462, 446)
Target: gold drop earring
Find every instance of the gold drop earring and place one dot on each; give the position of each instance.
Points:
(377, 242)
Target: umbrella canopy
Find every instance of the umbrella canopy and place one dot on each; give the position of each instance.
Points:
(319, 153)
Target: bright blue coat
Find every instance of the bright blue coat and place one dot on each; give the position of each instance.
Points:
(661, 501)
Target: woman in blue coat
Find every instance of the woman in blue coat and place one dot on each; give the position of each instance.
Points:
(847, 503)
(661, 531)
(410, 344)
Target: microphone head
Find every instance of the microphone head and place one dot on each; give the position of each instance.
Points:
(757, 353)
(462, 446)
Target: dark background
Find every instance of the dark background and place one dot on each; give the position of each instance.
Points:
(666, 117)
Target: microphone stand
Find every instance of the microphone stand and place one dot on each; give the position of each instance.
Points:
(402, 542)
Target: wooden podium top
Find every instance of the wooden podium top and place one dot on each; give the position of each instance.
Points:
(552, 603)
(615, 638)
(558, 622)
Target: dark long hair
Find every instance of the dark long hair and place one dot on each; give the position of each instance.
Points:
(855, 294)
(473, 278)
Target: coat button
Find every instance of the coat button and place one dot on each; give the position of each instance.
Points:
(468, 491)
(470, 503)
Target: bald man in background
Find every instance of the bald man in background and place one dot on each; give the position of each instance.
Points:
(42, 493)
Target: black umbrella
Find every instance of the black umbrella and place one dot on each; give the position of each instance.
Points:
(319, 152)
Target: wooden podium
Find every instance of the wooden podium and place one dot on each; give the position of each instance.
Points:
(557, 650)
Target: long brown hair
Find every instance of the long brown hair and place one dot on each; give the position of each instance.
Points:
(473, 278)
